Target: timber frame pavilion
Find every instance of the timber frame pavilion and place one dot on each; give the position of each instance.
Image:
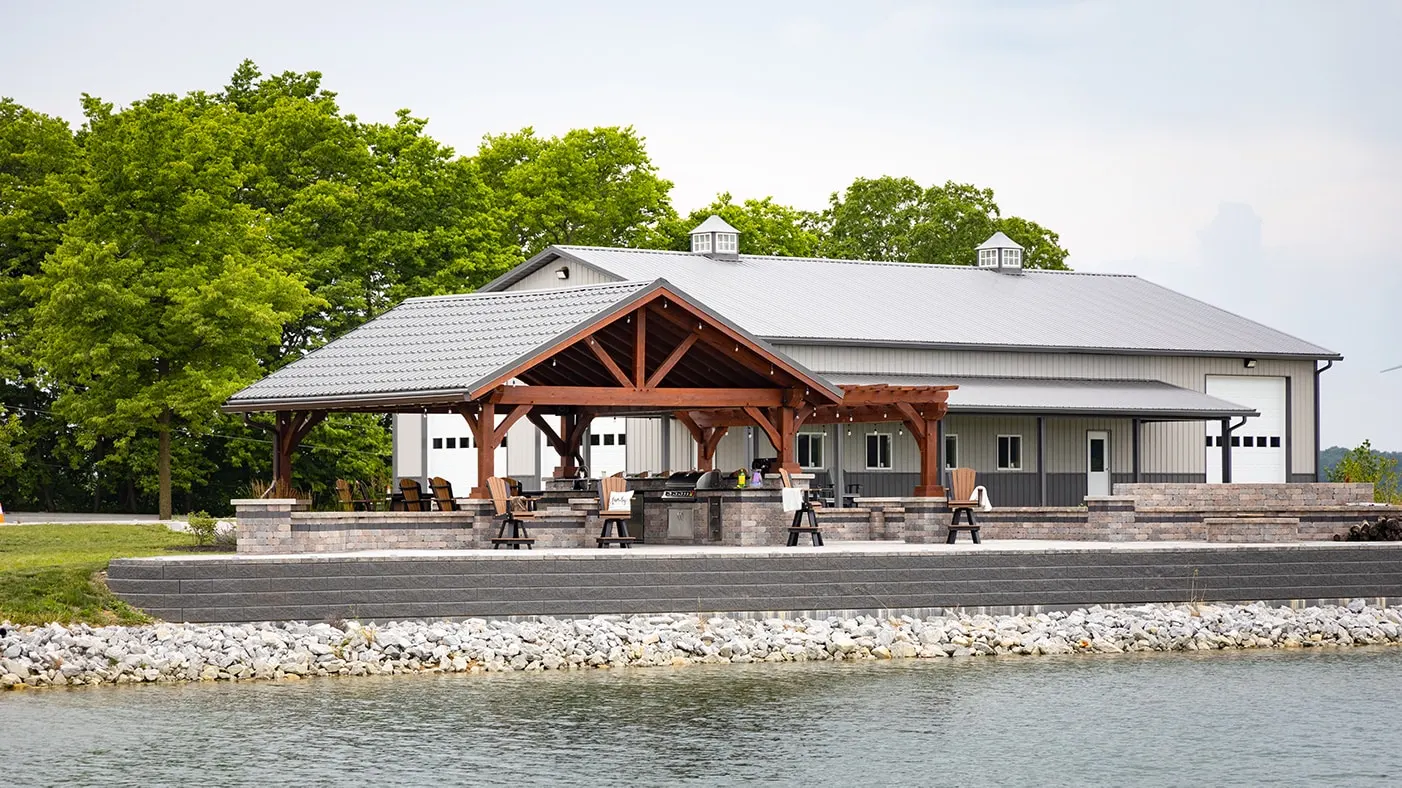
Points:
(562, 358)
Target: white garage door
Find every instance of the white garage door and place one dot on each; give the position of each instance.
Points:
(1258, 446)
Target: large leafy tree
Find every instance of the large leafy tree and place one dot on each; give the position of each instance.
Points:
(766, 227)
(167, 288)
(897, 219)
(39, 163)
(593, 187)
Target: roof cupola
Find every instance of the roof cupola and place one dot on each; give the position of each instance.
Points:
(1000, 253)
(716, 239)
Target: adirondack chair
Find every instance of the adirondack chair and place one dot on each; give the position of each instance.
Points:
(513, 511)
(961, 499)
(414, 500)
(443, 494)
(344, 497)
(613, 518)
(798, 528)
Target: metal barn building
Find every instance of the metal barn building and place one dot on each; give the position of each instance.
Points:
(1067, 382)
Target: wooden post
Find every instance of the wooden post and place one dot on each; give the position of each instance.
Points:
(788, 438)
(288, 432)
(483, 435)
(927, 438)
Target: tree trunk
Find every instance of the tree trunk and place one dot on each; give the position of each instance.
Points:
(163, 465)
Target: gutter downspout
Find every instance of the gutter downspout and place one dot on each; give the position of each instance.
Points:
(1227, 428)
(1318, 476)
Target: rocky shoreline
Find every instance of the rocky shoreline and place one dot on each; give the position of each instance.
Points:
(57, 655)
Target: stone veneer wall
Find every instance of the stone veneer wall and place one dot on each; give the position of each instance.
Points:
(1245, 497)
(270, 527)
(1140, 512)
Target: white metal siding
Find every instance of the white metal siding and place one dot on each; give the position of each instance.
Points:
(545, 278)
(1168, 448)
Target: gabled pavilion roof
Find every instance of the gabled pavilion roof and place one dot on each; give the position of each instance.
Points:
(443, 350)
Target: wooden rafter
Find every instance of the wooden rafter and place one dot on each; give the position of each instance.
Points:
(671, 361)
(608, 362)
(514, 416)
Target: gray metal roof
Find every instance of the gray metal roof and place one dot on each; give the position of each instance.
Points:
(1000, 241)
(792, 299)
(1135, 398)
(445, 344)
(714, 224)
(439, 349)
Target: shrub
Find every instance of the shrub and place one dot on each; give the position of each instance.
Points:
(1363, 464)
(203, 527)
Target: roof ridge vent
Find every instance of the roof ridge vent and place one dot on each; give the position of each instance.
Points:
(716, 239)
(1000, 253)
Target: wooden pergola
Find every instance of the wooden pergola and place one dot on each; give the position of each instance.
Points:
(655, 353)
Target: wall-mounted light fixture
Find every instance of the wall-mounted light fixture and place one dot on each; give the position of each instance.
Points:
(562, 272)
(1249, 363)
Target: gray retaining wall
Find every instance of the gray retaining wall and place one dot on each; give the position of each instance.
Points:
(589, 582)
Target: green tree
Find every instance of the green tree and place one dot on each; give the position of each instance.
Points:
(1363, 464)
(897, 219)
(592, 187)
(766, 227)
(166, 289)
(39, 164)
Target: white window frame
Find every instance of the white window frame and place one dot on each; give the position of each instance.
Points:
(999, 453)
(988, 258)
(1012, 257)
(726, 242)
(809, 438)
(701, 242)
(948, 463)
(866, 453)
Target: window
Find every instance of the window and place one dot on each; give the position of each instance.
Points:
(503, 442)
(464, 442)
(726, 242)
(593, 440)
(1012, 257)
(810, 449)
(988, 257)
(1248, 441)
(622, 439)
(1236, 440)
(701, 242)
(437, 443)
(1275, 441)
(951, 451)
(608, 439)
(878, 450)
(1009, 452)
(452, 443)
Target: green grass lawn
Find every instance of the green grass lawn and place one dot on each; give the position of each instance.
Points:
(49, 572)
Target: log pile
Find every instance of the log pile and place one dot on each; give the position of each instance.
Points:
(1386, 529)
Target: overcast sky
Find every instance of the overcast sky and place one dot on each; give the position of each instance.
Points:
(1246, 153)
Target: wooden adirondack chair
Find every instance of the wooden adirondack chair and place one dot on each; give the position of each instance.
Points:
(414, 500)
(344, 497)
(443, 494)
(961, 499)
(513, 511)
(798, 528)
(614, 517)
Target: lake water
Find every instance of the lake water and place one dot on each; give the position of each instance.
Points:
(1244, 718)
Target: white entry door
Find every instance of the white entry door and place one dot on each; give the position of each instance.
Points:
(1097, 463)
(1258, 446)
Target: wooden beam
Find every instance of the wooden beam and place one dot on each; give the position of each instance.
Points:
(640, 348)
(499, 434)
(555, 441)
(691, 426)
(670, 398)
(609, 363)
(762, 421)
(912, 420)
(884, 395)
(469, 415)
(671, 361)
